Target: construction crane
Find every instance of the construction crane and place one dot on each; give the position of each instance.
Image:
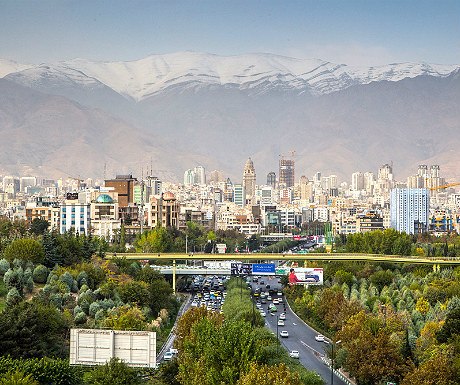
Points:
(444, 186)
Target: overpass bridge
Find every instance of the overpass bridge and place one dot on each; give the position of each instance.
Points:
(329, 257)
(313, 257)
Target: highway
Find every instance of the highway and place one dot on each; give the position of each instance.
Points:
(301, 338)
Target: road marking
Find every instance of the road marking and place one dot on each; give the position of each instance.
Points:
(315, 352)
(294, 324)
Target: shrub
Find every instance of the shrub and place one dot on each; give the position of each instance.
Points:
(80, 318)
(40, 274)
(4, 266)
(94, 308)
(13, 297)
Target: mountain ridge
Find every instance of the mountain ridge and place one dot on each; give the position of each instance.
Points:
(140, 79)
(197, 121)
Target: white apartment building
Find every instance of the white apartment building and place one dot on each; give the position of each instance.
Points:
(409, 209)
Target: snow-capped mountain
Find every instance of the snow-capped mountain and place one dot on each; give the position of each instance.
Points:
(256, 73)
(9, 66)
(186, 109)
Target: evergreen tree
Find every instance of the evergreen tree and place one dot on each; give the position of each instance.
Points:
(52, 256)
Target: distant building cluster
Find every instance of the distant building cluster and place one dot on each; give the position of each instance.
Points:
(422, 203)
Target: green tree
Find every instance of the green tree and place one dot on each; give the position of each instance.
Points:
(27, 249)
(50, 246)
(33, 329)
(40, 274)
(157, 240)
(269, 375)
(125, 318)
(134, 292)
(115, 372)
(39, 226)
(438, 370)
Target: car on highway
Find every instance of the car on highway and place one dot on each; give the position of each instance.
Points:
(280, 322)
(294, 354)
(283, 316)
(320, 338)
(284, 334)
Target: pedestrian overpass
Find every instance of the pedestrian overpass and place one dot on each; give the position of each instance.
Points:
(258, 257)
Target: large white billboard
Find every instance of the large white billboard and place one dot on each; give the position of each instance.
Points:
(305, 275)
(97, 346)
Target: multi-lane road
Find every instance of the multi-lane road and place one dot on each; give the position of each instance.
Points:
(301, 337)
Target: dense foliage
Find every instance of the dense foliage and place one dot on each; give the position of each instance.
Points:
(234, 347)
(393, 323)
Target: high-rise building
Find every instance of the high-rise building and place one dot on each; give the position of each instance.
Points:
(216, 176)
(357, 181)
(434, 171)
(409, 209)
(271, 179)
(27, 181)
(249, 180)
(422, 170)
(200, 175)
(385, 172)
(286, 172)
(239, 195)
(189, 177)
(11, 185)
(196, 175)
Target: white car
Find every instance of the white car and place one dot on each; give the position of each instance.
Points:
(263, 314)
(320, 338)
(275, 301)
(283, 316)
(284, 334)
(168, 356)
(294, 354)
(280, 322)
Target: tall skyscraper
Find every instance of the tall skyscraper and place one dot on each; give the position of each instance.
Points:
(286, 172)
(357, 181)
(249, 180)
(271, 179)
(385, 172)
(189, 177)
(196, 175)
(409, 209)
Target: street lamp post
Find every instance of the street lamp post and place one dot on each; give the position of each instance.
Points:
(332, 359)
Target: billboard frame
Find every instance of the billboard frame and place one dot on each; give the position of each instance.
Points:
(98, 346)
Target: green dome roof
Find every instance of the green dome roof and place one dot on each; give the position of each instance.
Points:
(104, 198)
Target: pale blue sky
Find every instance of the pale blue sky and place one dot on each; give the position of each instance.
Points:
(341, 31)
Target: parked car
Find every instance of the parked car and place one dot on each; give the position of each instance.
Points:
(280, 322)
(168, 356)
(319, 338)
(294, 354)
(283, 316)
(284, 334)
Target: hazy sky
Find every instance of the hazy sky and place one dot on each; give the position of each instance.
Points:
(342, 31)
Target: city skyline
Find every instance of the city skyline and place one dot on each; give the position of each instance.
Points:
(365, 33)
